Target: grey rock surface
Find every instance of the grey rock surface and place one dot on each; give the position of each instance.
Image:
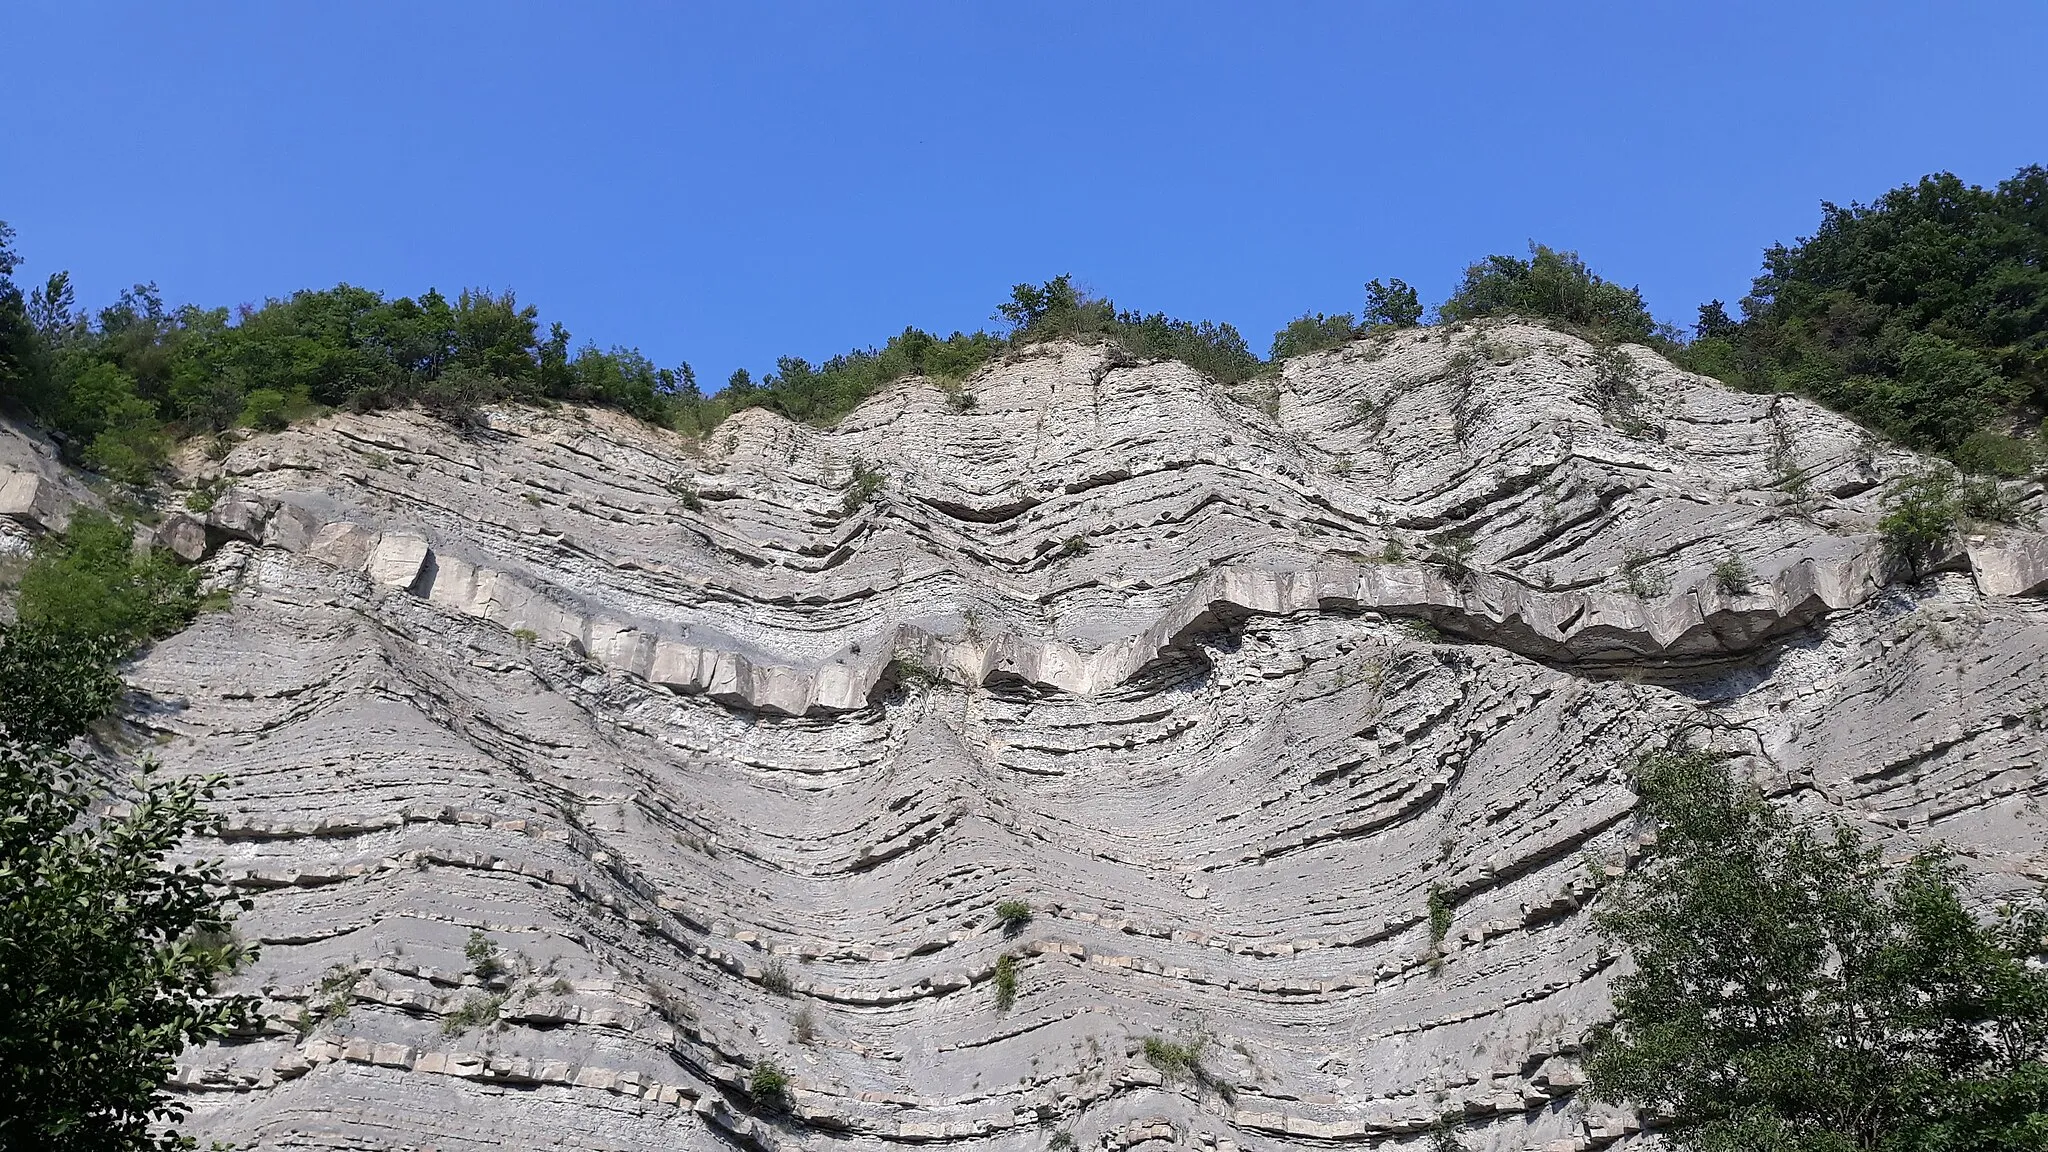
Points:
(729, 759)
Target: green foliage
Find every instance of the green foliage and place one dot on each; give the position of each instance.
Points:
(1550, 285)
(1062, 1141)
(861, 489)
(337, 991)
(768, 1086)
(476, 1012)
(1732, 575)
(1074, 545)
(1057, 310)
(775, 978)
(1176, 1059)
(1391, 305)
(88, 583)
(1643, 580)
(1313, 332)
(1452, 552)
(1924, 314)
(54, 685)
(1788, 993)
(1013, 915)
(1988, 453)
(1006, 982)
(483, 957)
(1440, 909)
(822, 394)
(108, 955)
(1923, 513)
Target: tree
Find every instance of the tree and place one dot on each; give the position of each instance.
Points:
(1550, 285)
(1392, 305)
(17, 333)
(1923, 314)
(88, 583)
(108, 955)
(54, 685)
(1788, 995)
(1312, 332)
(1714, 322)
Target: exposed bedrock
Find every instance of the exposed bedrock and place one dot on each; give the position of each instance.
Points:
(731, 764)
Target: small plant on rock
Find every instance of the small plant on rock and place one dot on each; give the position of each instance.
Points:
(1644, 582)
(1013, 915)
(337, 991)
(475, 1012)
(1440, 908)
(768, 1087)
(775, 978)
(1006, 982)
(483, 956)
(1732, 575)
(862, 489)
(1074, 545)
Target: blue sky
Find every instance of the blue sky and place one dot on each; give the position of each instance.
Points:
(727, 183)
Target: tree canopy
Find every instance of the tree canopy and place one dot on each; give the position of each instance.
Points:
(1790, 993)
(1550, 285)
(1924, 314)
(109, 952)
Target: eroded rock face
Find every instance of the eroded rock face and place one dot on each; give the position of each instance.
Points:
(732, 766)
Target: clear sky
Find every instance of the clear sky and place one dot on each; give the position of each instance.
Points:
(728, 182)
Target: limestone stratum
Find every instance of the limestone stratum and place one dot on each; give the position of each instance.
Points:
(1121, 760)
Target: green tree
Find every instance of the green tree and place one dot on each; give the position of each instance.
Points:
(1787, 994)
(108, 954)
(54, 685)
(1923, 314)
(1392, 305)
(1313, 332)
(17, 334)
(88, 584)
(1550, 285)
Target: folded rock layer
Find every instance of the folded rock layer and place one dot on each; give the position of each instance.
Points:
(728, 750)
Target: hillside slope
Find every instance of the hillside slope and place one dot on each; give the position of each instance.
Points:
(730, 750)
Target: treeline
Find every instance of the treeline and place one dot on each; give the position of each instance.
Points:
(1923, 315)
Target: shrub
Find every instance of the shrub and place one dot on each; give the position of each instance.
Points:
(775, 978)
(88, 582)
(1058, 310)
(1440, 908)
(265, 408)
(1989, 453)
(53, 685)
(1732, 575)
(1074, 545)
(1452, 552)
(1013, 915)
(862, 488)
(768, 1087)
(1787, 988)
(1006, 982)
(475, 1012)
(1391, 305)
(484, 960)
(1176, 1059)
(1313, 332)
(1643, 580)
(1550, 285)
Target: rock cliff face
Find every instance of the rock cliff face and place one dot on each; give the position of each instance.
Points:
(729, 750)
